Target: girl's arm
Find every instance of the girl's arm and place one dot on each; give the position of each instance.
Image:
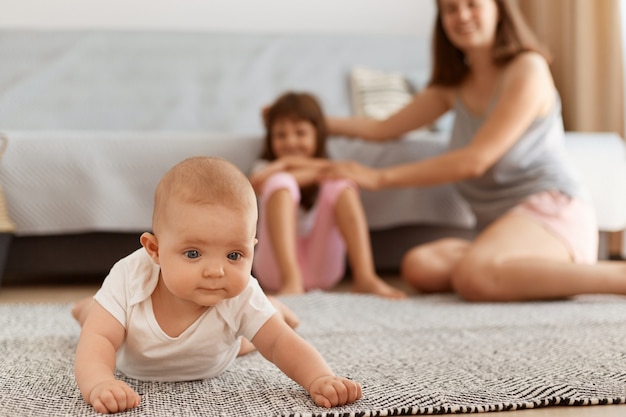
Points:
(281, 345)
(94, 364)
(258, 178)
(425, 107)
(305, 170)
(527, 93)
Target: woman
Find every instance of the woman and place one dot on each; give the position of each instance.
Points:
(538, 237)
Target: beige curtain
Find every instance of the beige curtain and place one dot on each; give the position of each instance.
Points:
(585, 40)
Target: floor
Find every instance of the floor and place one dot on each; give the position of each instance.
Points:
(66, 294)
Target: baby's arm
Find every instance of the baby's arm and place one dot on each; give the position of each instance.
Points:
(94, 365)
(281, 345)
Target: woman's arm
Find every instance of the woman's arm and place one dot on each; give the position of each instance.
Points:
(425, 107)
(527, 93)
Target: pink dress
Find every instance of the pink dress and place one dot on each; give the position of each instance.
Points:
(321, 249)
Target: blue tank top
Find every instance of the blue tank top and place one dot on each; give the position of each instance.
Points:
(536, 162)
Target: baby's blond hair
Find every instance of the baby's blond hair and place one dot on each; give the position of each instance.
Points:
(204, 180)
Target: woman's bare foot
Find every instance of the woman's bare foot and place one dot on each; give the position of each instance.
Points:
(81, 309)
(377, 286)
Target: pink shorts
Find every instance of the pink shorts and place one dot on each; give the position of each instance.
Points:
(572, 220)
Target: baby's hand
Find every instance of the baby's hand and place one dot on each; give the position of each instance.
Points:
(112, 397)
(329, 391)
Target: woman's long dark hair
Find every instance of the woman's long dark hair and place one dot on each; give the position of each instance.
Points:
(298, 106)
(513, 37)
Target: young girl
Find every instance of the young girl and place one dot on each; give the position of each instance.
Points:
(305, 226)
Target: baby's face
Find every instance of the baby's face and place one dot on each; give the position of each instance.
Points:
(206, 251)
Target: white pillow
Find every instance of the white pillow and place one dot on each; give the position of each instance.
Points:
(378, 94)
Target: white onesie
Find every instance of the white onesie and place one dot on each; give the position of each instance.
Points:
(204, 350)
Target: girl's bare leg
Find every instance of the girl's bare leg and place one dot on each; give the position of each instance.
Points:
(517, 259)
(352, 224)
(281, 220)
(428, 268)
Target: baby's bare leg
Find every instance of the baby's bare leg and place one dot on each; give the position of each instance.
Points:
(284, 312)
(81, 309)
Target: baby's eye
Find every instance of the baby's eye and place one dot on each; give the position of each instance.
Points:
(234, 256)
(192, 254)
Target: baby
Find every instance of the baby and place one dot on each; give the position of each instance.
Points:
(184, 306)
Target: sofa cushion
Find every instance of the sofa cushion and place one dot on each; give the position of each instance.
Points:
(378, 94)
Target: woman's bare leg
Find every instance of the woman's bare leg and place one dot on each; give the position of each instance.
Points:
(428, 268)
(517, 259)
(352, 224)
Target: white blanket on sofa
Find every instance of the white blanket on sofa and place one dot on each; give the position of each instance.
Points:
(74, 181)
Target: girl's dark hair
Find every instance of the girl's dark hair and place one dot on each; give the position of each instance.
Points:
(513, 37)
(298, 106)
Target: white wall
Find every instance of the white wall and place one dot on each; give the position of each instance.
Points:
(360, 16)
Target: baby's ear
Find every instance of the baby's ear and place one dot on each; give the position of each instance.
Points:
(151, 245)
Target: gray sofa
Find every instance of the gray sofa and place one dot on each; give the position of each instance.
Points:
(93, 119)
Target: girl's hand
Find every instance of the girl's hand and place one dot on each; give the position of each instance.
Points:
(113, 396)
(298, 161)
(330, 391)
(366, 178)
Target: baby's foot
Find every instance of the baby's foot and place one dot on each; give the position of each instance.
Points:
(285, 312)
(81, 309)
(379, 287)
(246, 347)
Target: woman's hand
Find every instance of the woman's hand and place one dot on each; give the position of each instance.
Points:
(365, 177)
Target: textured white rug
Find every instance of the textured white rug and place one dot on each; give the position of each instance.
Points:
(426, 355)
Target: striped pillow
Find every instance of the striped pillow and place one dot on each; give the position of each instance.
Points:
(378, 94)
